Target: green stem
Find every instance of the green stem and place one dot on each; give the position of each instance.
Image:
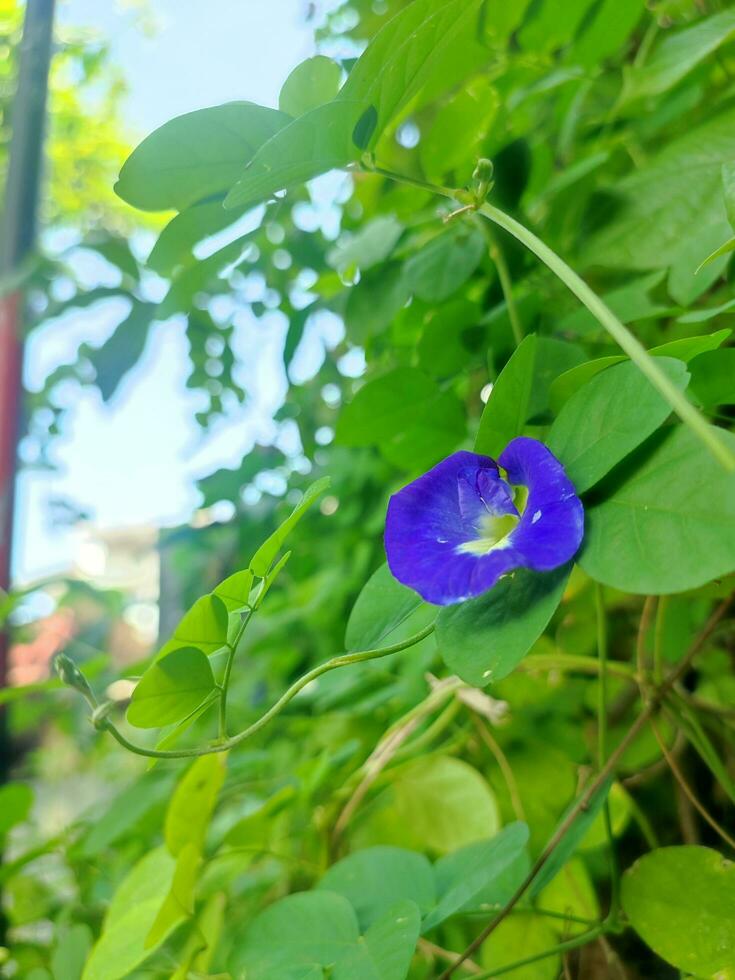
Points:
(506, 284)
(577, 663)
(569, 944)
(602, 745)
(344, 660)
(626, 340)
(231, 651)
(658, 637)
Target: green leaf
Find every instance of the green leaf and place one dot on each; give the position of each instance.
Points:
(432, 804)
(407, 53)
(683, 349)
(309, 85)
(724, 249)
(438, 430)
(485, 873)
(602, 35)
(133, 909)
(193, 802)
(234, 591)
(664, 520)
(381, 607)
(264, 557)
(680, 901)
(713, 378)
(174, 246)
(122, 350)
(375, 879)
(320, 140)
(370, 245)
(171, 688)
(445, 263)
(608, 418)
(459, 127)
(72, 948)
(484, 639)
(16, 800)
(375, 301)
(384, 406)
(571, 840)
(196, 155)
(507, 409)
(678, 53)
(204, 626)
(517, 937)
(306, 929)
(678, 189)
(451, 338)
(386, 949)
(179, 903)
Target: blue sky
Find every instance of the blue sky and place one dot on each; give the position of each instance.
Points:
(134, 461)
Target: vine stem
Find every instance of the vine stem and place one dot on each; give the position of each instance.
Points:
(624, 338)
(565, 947)
(605, 772)
(231, 651)
(343, 660)
(602, 747)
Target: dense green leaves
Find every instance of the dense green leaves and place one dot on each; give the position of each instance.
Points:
(437, 270)
(664, 520)
(171, 688)
(680, 901)
(607, 418)
(381, 608)
(484, 639)
(196, 155)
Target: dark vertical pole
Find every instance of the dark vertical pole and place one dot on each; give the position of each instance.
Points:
(17, 240)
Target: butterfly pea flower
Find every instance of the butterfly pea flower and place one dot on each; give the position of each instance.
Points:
(453, 532)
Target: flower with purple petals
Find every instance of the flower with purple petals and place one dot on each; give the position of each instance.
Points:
(453, 532)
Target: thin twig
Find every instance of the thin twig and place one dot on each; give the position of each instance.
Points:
(505, 768)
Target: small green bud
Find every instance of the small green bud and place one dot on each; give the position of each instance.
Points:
(72, 676)
(482, 179)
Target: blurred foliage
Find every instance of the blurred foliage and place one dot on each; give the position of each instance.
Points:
(610, 145)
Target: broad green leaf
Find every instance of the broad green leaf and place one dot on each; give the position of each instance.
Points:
(484, 873)
(684, 349)
(309, 85)
(713, 378)
(677, 54)
(264, 557)
(133, 909)
(707, 313)
(171, 688)
(386, 950)
(375, 301)
(179, 903)
(123, 814)
(305, 929)
(549, 25)
(201, 946)
(678, 189)
(122, 350)
(451, 337)
(193, 802)
(196, 155)
(571, 840)
(484, 639)
(204, 626)
(507, 409)
(16, 800)
(375, 879)
(445, 263)
(680, 901)
(431, 804)
(369, 246)
(385, 406)
(603, 34)
(407, 53)
(320, 140)
(440, 427)
(664, 520)
(174, 246)
(234, 591)
(380, 608)
(608, 418)
(458, 129)
(522, 935)
(72, 948)
(724, 249)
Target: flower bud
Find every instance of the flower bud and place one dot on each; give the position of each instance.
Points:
(71, 675)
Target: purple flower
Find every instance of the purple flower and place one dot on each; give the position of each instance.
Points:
(454, 531)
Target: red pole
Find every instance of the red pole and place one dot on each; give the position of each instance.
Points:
(17, 241)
